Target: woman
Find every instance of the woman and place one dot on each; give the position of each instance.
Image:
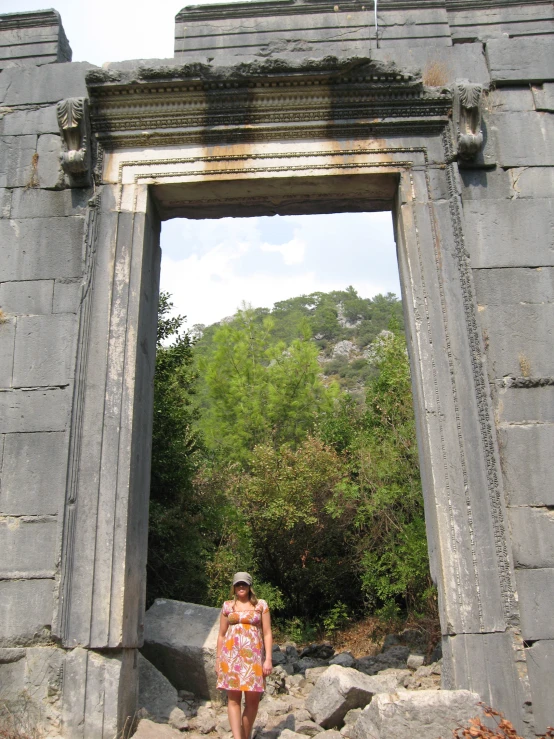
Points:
(241, 666)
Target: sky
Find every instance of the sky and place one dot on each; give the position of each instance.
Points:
(210, 267)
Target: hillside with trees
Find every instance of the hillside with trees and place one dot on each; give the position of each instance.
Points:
(284, 444)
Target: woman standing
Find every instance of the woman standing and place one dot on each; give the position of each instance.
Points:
(244, 648)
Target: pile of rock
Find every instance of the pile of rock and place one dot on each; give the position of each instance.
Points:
(391, 695)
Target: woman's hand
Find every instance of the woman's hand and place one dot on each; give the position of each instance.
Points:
(217, 667)
(267, 667)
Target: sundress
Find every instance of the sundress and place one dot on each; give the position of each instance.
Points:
(242, 653)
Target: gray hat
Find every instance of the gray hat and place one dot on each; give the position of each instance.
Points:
(242, 577)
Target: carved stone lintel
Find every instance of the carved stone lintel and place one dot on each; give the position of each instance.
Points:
(468, 96)
(73, 120)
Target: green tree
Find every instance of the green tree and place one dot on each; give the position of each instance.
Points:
(384, 487)
(297, 545)
(258, 390)
(181, 524)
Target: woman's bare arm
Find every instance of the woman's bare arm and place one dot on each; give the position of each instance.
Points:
(223, 626)
(268, 643)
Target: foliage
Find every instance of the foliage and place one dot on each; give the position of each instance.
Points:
(384, 486)
(259, 390)
(503, 729)
(179, 519)
(337, 618)
(297, 545)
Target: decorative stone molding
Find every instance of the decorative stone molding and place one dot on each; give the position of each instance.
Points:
(467, 98)
(73, 120)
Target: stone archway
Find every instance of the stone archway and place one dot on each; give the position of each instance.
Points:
(147, 143)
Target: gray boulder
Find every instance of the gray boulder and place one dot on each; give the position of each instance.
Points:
(344, 659)
(432, 714)
(339, 690)
(180, 639)
(318, 651)
(156, 694)
(395, 657)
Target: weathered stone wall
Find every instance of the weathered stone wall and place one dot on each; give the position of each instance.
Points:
(72, 578)
(32, 38)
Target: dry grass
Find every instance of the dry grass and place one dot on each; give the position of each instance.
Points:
(524, 365)
(19, 719)
(33, 179)
(503, 729)
(435, 74)
(3, 316)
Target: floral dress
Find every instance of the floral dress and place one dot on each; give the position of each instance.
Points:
(242, 653)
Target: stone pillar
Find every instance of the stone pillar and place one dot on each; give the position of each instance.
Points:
(105, 534)
(467, 525)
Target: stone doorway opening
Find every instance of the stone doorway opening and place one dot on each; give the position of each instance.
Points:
(341, 347)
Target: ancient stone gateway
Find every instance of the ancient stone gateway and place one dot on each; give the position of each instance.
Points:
(275, 107)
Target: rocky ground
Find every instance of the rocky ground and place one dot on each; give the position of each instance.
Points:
(391, 695)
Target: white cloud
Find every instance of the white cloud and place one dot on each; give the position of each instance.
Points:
(293, 252)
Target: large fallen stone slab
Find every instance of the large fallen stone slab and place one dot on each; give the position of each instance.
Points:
(156, 694)
(340, 689)
(432, 714)
(180, 639)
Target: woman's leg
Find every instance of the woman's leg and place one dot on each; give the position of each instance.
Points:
(251, 703)
(233, 711)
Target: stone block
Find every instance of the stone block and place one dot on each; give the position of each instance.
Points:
(31, 681)
(44, 350)
(33, 474)
(67, 296)
(41, 120)
(535, 589)
(516, 233)
(526, 456)
(30, 297)
(432, 714)
(34, 410)
(531, 182)
(7, 344)
(41, 248)
(48, 83)
(484, 664)
(540, 666)
(486, 23)
(530, 285)
(25, 612)
(544, 96)
(511, 99)
(341, 689)
(516, 405)
(521, 59)
(156, 694)
(28, 546)
(482, 184)
(36, 203)
(50, 173)
(463, 61)
(180, 639)
(33, 37)
(5, 202)
(532, 536)
(519, 339)
(523, 139)
(12, 673)
(100, 692)
(18, 161)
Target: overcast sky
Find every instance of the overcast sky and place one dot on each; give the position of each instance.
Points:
(210, 267)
